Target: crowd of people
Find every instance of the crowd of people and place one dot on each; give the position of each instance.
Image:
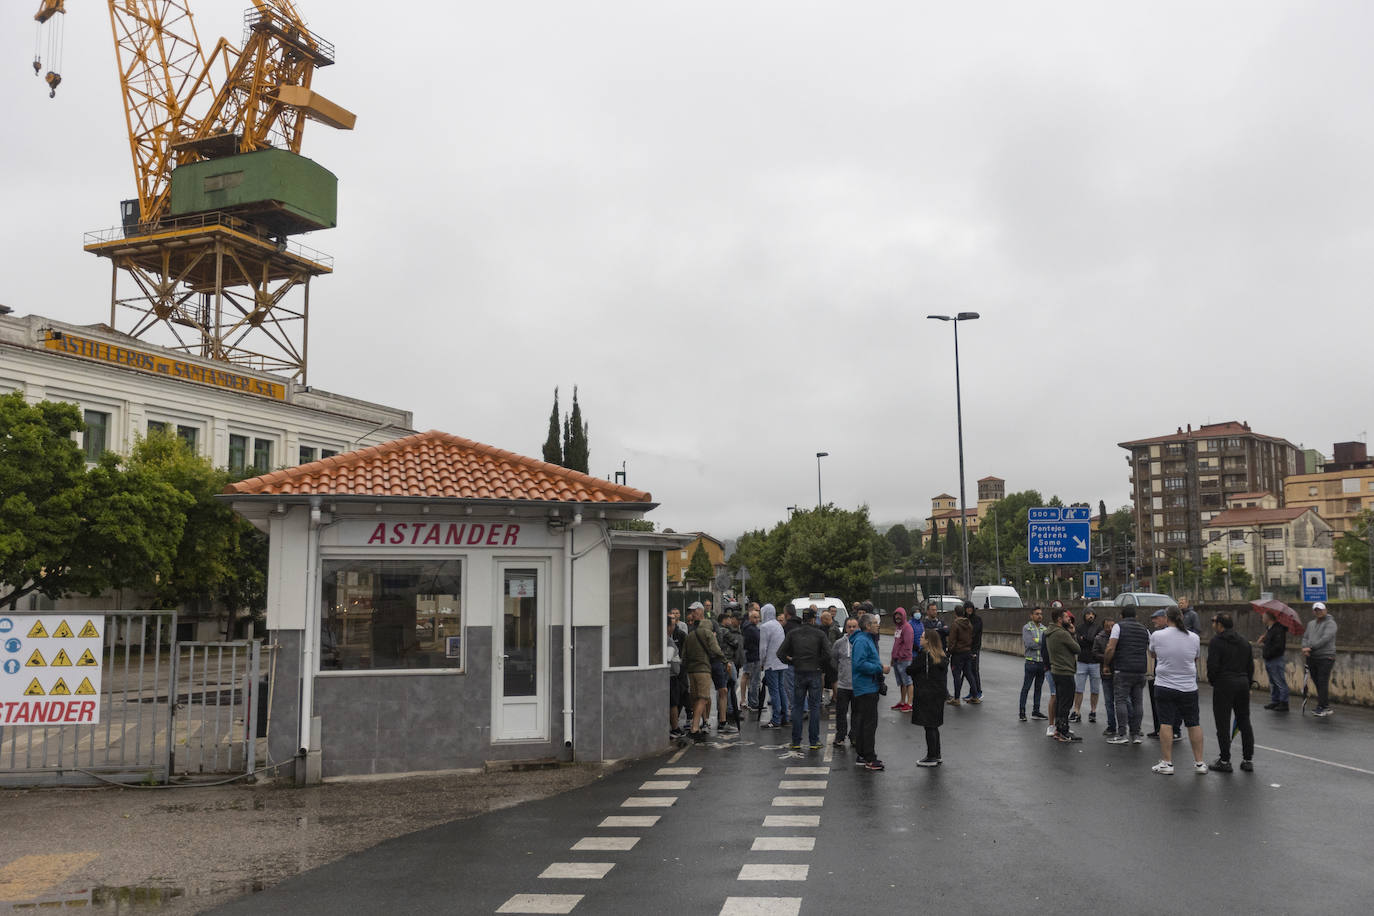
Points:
(802, 665)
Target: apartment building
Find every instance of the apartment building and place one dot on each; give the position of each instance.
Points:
(1183, 480)
(1339, 491)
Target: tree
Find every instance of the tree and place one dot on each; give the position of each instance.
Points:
(1101, 512)
(67, 529)
(220, 557)
(900, 539)
(576, 452)
(700, 570)
(883, 553)
(1353, 550)
(933, 547)
(632, 524)
(553, 448)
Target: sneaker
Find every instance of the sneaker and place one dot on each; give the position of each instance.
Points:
(861, 761)
(1137, 738)
(975, 701)
(1163, 768)
(1061, 738)
(1092, 717)
(677, 733)
(794, 747)
(954, 701)
(1178, 736)
(1050, 732)
(817, 746)
(1021, 716)
(906, 707)
(928, 762)
(770, 725)
(1037, 714)
(1200, 768)
(1270, 705)
(1075, 717)
(1109, 731)
(1221, 766)
(1118, 739)
(839, 742)
(874, 766)
(700, 737)
(1322, 711)
(898, 705)
(1247, 767)
(1152, 735)
(1075, 736)
(1282, 707)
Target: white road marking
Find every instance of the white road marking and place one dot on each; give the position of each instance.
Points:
(577, 870)
(605, 843)
(820, 784)
(761, 906)
(783, 844)
(1330, 763)
(807, 771)
(629, 820)
(798, 801)
(792, 820)
(649, 801)
(661, 784)
(540, 903)
(773, 872)
(678, 771)
(678, 756)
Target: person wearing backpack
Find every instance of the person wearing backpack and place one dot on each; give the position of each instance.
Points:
(699, 651)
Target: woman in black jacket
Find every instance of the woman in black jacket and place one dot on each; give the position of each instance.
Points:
(928, 670)
(1273, 649)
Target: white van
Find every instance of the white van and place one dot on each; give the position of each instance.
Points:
(996, 596)
(822, 602)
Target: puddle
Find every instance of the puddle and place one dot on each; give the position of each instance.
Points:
(132, 898)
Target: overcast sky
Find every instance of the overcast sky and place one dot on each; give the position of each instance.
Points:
(726, 222)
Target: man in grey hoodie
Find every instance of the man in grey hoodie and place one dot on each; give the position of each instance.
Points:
(841, 652)
(1319, 650)
(770, 638)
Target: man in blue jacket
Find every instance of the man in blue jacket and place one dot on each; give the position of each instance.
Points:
(867, 671)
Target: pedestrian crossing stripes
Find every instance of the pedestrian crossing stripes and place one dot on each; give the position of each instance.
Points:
(783, 844)
(792, 820)
(605, 843)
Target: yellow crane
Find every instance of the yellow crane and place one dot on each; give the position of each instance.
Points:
(215, 140)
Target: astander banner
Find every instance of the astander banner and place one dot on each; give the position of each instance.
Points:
(50, 669)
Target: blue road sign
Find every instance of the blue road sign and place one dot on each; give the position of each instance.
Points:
(1058, 534)
(1092, 585)
(1313, 584)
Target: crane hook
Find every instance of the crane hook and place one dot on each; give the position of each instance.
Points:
(54, 80)
(37, 65)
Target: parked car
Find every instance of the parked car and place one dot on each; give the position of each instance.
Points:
(947, 603)
(1151, 600)
(995, 596)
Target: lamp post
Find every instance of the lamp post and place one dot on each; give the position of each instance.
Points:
(793, 510)
(959, 415)
(819, 455)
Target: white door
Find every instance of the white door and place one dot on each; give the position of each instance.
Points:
(521, 643)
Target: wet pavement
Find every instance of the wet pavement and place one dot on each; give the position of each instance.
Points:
(1013, 822)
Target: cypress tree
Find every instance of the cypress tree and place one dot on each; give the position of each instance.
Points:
(576, 455)
(553, 449)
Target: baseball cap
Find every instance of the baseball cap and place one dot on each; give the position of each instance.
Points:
(1320, 605)
(1162, 612)
(696, 606)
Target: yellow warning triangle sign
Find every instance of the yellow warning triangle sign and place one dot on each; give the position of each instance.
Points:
(88, 631)
(61, 658)
(87, 660)
(63, 631)
(37, 631)
(60, 689)
(35, 689)
(35, 660)
(85, 689)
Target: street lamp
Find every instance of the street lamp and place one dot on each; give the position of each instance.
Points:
(793, 510)
(959, 414)
(819, 455)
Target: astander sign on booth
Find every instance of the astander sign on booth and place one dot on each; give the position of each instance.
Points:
(1058, 534)
(50, 669)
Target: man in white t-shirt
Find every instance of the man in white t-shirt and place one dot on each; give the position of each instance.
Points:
(1174, 651)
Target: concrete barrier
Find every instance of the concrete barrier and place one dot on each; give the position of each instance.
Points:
(1352, 679)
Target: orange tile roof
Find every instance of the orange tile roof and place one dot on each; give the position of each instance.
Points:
(436, 465)
(1208, 431)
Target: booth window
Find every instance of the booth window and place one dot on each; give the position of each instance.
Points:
(635, 635)
(384, 615)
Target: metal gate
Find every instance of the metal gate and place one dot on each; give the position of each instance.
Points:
(167, 709)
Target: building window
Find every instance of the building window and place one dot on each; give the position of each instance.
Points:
(1350, 484)
(624, 628)
(1311, 491)
(157, 427)
(262, 454)
(191, 436)
(1233, 442)
(1352, 505)
(93, 440)
(328, 453)
(385, 615)
(1213, 445)
(1273, 558)
(1237, 559)
(635, 636)
(238, 454)
(1175, 536)
(1174, 483)
(1273, 534)
(307, 454)
(1174, 448)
